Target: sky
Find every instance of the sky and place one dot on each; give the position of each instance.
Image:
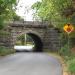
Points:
(23, 7)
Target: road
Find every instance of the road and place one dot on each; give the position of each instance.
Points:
(30, 64)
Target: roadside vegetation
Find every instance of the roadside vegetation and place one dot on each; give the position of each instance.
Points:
(69, 58)
(24, 40)
(5, 51)
(58, 13)
(7, 13)
(67, 51)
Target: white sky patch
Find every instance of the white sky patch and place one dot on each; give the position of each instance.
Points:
(24, 9)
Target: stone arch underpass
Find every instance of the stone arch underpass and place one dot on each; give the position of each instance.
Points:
(38, 42)
(45, 38)
(36, 38)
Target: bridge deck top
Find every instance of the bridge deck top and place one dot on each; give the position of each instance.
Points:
(29, 23)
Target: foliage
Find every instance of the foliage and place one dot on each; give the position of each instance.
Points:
(69, 59)
(65, 50)
(6, 11)
(16, 17)
(71, 65)
(1, 23)
(18, 43)
(6, 8)
(52, 10)
(22, 39)
(5, 51)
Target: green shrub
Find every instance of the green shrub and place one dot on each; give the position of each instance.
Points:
(71, 65)
(65, 51)
(18, 43)
(5, 51)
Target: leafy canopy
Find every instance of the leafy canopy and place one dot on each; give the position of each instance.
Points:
(52, 10)
(6, 11)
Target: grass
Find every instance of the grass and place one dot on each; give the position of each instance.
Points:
(5, 51)
(71, 66)
(69, 59)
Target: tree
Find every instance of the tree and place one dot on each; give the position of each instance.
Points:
(16, 17)
(56, 11)
(22, 39)
(6, 11)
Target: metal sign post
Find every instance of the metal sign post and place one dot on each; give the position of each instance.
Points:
(68, 28)
(68, 43)
(25, 39)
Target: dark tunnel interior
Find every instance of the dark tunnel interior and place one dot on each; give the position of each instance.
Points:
(37, 41)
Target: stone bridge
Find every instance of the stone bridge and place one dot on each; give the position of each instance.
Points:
(45, 38)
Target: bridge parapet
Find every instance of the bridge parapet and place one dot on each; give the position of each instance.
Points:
(28, 24)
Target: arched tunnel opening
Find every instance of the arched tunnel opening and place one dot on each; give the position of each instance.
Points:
(37, 42)
(29, 40)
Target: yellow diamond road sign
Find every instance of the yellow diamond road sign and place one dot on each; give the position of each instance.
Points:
(68, 28)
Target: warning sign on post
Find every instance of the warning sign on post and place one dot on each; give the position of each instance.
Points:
(68, 28)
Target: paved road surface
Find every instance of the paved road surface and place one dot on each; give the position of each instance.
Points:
(30, 64)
